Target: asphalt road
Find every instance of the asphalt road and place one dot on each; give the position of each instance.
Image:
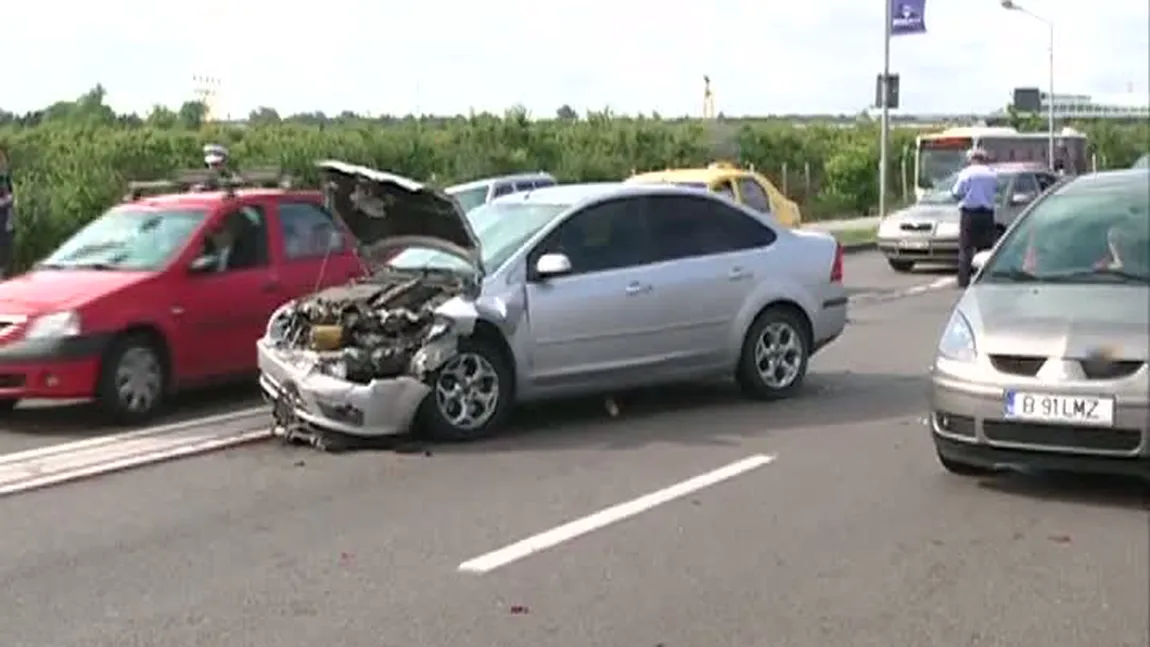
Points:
(853, 535)
(39, 424)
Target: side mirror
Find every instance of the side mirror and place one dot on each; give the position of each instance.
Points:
(1021, 198)
(978, 261)
(203, 264)
(550, 265)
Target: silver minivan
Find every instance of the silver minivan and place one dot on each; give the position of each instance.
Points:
(478, 192)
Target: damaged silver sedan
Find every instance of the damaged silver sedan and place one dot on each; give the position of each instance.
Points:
(560, 291)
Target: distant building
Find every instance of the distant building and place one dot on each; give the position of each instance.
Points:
(1084, 106)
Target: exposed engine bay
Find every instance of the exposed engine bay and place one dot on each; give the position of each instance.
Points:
(358, 359)
(372, 328)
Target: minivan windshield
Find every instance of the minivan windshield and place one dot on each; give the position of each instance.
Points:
(502, 228)
(127, 238)
(1095, 229)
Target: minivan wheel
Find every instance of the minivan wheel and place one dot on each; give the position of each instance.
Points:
(900, 265)
(133, 380)
(774, 358)
(471, 394)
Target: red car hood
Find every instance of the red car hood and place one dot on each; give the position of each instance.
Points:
(43, 291)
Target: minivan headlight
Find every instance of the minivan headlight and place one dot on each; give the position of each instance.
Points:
(957, 342)
(54, 326)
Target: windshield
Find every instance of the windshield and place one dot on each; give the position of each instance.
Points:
(1082, 233)
(470, 198)
(502, 228)
(935, 165)
(127, 239)
(940, 193)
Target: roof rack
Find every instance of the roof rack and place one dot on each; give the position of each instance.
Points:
(206, 179)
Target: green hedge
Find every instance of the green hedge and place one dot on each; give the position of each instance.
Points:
(66, 173)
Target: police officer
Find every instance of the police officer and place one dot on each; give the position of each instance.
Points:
(975, 189)
(7, 217)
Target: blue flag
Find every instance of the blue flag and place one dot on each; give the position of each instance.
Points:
(907, 17)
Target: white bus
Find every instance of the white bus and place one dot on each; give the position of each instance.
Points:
(938, 155)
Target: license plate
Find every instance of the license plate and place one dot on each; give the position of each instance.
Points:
(913, 244)
(1060, 409)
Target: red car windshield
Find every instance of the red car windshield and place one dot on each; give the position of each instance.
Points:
(127, 238)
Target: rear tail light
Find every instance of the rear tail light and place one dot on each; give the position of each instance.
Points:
(837, 266)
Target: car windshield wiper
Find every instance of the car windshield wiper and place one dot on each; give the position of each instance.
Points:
(1109, 272)
(1013, 274)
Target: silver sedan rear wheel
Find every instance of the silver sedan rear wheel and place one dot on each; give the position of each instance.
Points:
(775, 352)
(779, 355)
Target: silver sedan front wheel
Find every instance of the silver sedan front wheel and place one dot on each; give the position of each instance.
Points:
(467, 391)
(471, 394)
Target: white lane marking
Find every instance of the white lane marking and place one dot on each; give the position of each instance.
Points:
(119, 438)
(590, 523)
(103, 462)
(937, 284)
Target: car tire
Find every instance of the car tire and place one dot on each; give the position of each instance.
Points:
(963, 469)
(787, 330)
(900, 266)
(133, 380)
(439, 414)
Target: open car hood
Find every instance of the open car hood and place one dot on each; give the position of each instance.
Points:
(387, 212)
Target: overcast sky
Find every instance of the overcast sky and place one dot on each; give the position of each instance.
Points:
(446, 56)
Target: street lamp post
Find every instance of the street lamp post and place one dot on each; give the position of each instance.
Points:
(1010, 5)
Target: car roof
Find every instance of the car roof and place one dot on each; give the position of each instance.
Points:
(209, 199)
(1018, 167)
(573, 194)
(704, 175)
(474, 184)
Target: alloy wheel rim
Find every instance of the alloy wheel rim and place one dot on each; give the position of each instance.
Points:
(467, 391)
(779, 355)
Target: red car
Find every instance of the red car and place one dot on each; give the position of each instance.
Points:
(162, 293)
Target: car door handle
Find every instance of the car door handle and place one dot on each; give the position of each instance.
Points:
(738, 274)
(637, 288)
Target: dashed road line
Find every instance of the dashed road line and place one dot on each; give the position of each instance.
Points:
(592, 522)
(891, 295)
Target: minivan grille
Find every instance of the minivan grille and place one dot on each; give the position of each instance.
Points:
(1025, 365)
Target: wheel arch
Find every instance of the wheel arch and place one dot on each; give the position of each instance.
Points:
(789, 306)
(488, 332)
(156, 337)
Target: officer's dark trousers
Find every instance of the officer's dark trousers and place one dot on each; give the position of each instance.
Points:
(975, 233)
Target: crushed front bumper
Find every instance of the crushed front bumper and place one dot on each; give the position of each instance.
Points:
(305, 400)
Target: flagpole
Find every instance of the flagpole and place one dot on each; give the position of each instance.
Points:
(884, 137)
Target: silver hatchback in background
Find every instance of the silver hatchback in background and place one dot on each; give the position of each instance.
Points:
(562, 291)
(927, 231)
(1044, 362)
(479, 192)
